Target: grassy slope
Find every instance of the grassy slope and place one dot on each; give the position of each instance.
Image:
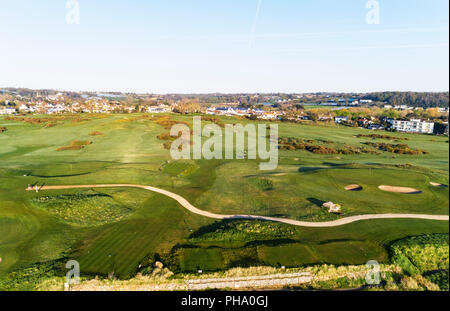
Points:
(130, 153)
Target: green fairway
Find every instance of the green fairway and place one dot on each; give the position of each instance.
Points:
(121, 230)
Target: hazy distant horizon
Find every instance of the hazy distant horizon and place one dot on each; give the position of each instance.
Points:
(202, 46)
(211, 93)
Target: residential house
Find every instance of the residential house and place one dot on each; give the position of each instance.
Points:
(157, 109)
(340, 119)
(8, 110)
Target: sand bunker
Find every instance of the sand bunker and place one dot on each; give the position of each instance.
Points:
(353, 187)
(404, 190)
(438, 185)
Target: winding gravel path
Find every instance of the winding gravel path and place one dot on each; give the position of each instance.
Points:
(197, 211)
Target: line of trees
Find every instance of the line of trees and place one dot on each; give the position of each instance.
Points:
(412, 99)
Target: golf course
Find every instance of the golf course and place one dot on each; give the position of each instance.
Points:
(104, 190)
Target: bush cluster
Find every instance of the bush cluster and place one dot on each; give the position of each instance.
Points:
(396, 148)
(213, 120)
(420, 254)
(83, 209)
(380, 136)
(242, 230)
(167, 123)
(291, 144)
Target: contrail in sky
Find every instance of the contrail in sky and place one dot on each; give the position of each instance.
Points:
(252, 33)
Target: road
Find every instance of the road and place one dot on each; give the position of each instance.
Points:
(183, 202)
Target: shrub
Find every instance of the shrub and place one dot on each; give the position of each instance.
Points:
(292, 144)
(213, 120)
(167, 145)
(30, 277)
(167, 123)
(396, 148)
(379, 136)
(242, 230)
(165, 136)
(96, 133)
(3, 129)
(422, 253)
(440, 278)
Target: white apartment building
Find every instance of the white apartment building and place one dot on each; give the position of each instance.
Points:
(413, 126)
(8, 110)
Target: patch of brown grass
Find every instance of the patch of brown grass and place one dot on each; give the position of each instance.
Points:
(70, 148)
(75, 145)
(380, 136)
(167, 123)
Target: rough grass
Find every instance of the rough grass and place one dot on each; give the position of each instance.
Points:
(241, 231)
(83, 209)
(29, 278)
(262, 184)
(440, 278)
(423, 253)
(381, 136)
(180, 168)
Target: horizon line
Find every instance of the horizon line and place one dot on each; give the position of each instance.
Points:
(223, 93)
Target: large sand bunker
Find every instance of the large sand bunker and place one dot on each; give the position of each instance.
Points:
(404, 190)
(438, 185)
(353, 187)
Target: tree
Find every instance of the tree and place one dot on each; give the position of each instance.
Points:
(390, 113)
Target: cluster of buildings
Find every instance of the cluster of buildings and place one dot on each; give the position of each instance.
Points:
(348, 101)
(267, 113)
(7, 110)
(245, 112)
(407, 126)
(159, 109)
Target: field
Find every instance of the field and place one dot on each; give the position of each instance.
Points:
(121, 231)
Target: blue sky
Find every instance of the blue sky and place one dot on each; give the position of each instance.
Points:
(192, 46)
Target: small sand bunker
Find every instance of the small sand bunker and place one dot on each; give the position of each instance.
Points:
(404, 190)
(353, 187)
(438, 185)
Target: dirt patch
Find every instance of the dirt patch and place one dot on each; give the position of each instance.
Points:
(353, 187)
(438, 185)
(75, 145)
(404, 190)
